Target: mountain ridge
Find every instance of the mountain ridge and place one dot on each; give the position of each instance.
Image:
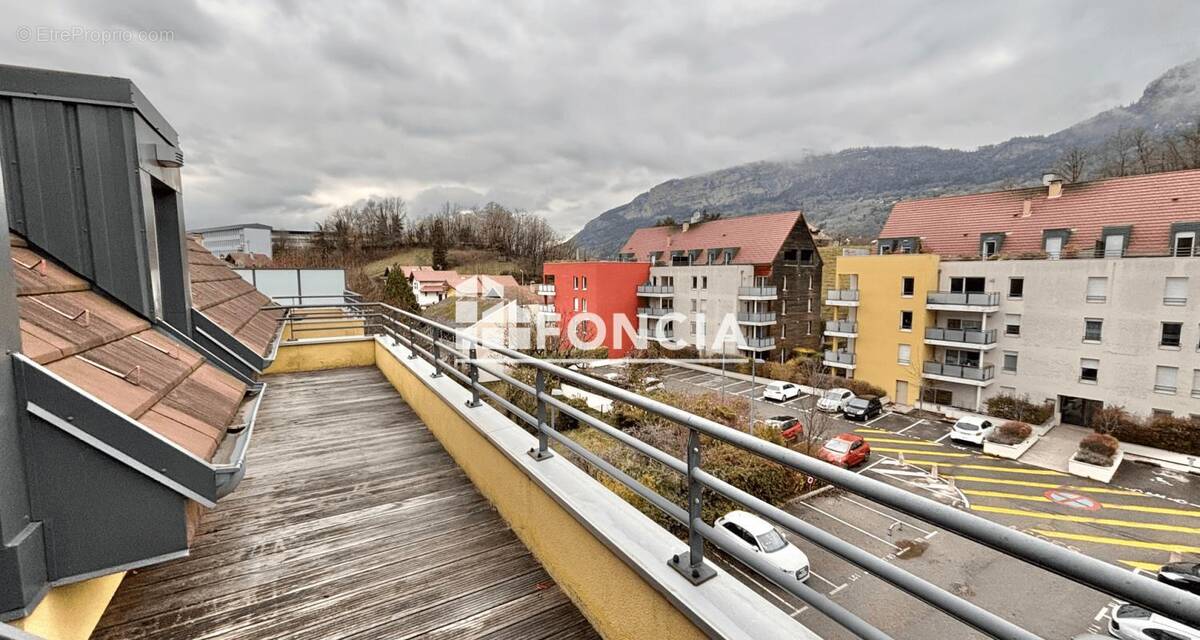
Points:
(850, 192)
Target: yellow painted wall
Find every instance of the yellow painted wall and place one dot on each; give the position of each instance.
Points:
(323, 328)
(323, 355)
(880, 303)
(611, 595)
(72, 611)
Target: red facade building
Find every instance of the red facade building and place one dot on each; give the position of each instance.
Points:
(605, 288)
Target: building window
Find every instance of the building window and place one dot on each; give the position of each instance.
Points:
(790, 255)
(810, 282)
(785, 283)
(806, 256)
(1184, 245)
(906, 321)
(1089, 370)
(1165, 379)
(1010, 362)
(1176, 291)
(1096, 289)
(575, 283)
(904, 355)
(908, 285)
(1092, 329)
(783, 332)
(1154, 414)
(1172, 333)
(937, 396)
(584, 280)
(575, 304)
(1196, 383)
(808, 327)
(1012, 324)
(694, 304)
(695, 282)
(809, 301)
(1016, 288)
(703, 282)
(783, 307)
(585, 305)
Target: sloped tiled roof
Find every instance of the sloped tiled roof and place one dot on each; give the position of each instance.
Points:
(113, 354)
(232, 303)
(477, 285)
(448, 276)
(951, 225)
(757, 237)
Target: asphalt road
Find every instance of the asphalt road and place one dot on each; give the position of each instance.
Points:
(1142, 520)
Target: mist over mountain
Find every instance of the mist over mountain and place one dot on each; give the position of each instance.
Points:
(850, 192)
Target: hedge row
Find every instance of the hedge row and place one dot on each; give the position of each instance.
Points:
(1162, 432)
(1019, 408)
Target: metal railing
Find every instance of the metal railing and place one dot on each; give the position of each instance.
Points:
(758, 292)
(965, 336)
(743, 316)
(964, 299)
(652, 289)
(430, 343)
(839, 357)
(966, 372)
(841, 295)
(841, 326)
(653, 312)
(760, 343)
(545, 290)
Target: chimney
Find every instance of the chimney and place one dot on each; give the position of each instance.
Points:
(1055, 184)
(1027, 208)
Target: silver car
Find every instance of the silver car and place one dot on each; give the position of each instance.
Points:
(1132, 622)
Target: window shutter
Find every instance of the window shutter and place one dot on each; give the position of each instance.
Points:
(1096, 287)
(1165, 377)
(1176, 290)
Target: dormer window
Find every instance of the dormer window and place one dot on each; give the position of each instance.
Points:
(1184, 239)
(1053, 242)
(1114, 241)
(989, 244)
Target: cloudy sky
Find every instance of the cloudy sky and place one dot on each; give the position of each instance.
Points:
(570, 108)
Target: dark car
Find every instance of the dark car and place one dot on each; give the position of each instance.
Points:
(863, 408)
(1185, 575)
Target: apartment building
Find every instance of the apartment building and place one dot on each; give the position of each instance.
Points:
(762, 272)
(1079, 294)
(607, 289)
(236, 238)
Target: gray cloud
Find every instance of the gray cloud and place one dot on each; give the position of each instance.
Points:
(570, 108)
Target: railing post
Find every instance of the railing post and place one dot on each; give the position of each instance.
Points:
(436, 358)
(691, 564)
(412, 342)
(474, 371)
(543, 449)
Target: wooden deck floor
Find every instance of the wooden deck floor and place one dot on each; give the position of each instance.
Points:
(352, 522)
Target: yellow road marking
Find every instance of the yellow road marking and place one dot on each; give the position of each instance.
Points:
(1085, 519)
(1189, 513)
(1145, 566)
(1119, 542)
(918, 443)
(922, 452)
(983, 467)
(1043, 485)
(863, 430)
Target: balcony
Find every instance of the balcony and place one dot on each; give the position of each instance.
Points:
(961, 338)
(841, 328)
(755, 318)
(839, 359)
(841, 297)
(758, 293)
(758, 344)
(653, 312)
(964, 374)
(655, 291)
(981, 302)
(545, 290)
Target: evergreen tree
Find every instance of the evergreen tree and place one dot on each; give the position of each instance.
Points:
(438, 240)
(397, 291)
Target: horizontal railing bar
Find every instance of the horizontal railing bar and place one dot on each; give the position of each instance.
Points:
(810, 596)
(959, 608)
(637, 445)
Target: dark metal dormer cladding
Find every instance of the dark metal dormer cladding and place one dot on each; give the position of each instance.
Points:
(92, 178)
(899, 245)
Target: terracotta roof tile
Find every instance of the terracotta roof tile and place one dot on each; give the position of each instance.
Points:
(758, 238)
(35, 275)
(228, 300)
(951, 225)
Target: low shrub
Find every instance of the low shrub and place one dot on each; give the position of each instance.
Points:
(858, 387)
(1098, 449)
(1019, 408)
(1181, 435)
(1011, 432)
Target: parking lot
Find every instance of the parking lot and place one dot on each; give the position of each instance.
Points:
(1147, 517)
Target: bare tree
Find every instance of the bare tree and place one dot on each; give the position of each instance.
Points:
(1072, 164)
(1144, 150)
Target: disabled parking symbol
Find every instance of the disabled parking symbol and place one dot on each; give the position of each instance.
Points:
(1072, 499)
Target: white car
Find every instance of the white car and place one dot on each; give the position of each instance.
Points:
(757, 535)
(1131, 622)
(781, 391)
(972, 429)
(650, 383)
(835, 400)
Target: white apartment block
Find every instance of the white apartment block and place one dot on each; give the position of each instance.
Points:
(244, 238)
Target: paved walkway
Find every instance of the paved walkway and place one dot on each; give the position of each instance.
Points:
(1055, 448)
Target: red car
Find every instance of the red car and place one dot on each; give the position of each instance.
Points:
(846, 450)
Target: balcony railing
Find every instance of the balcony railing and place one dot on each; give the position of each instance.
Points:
(758, 292)
(964, 336)
(841, 295)
(760, 343)
(841, 326)
(839, 357)
(653, 289)
(653, 312)
(965, 372)
(756, 317)
(545, 289)
(964, 299)
(439, 345)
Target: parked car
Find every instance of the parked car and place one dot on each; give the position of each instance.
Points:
(863, 408)
(781, 391)
(1131, 622)
(972, 429)
(835, 400)
(846, 450)
(650, 383)
(757, 535)
(780, 422)
(1185, 575)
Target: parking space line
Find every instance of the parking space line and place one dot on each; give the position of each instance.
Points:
(820, 577)
(921, 421)
(1118, 542)
(1187, 513)
(922, 452)
(917, 443)
(1131, 524)
(886, 515)
(856, 528)
(984, 467)
(947, 435)
(764, 588)
(1043, 485)
(878, 417)
(839, 588)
